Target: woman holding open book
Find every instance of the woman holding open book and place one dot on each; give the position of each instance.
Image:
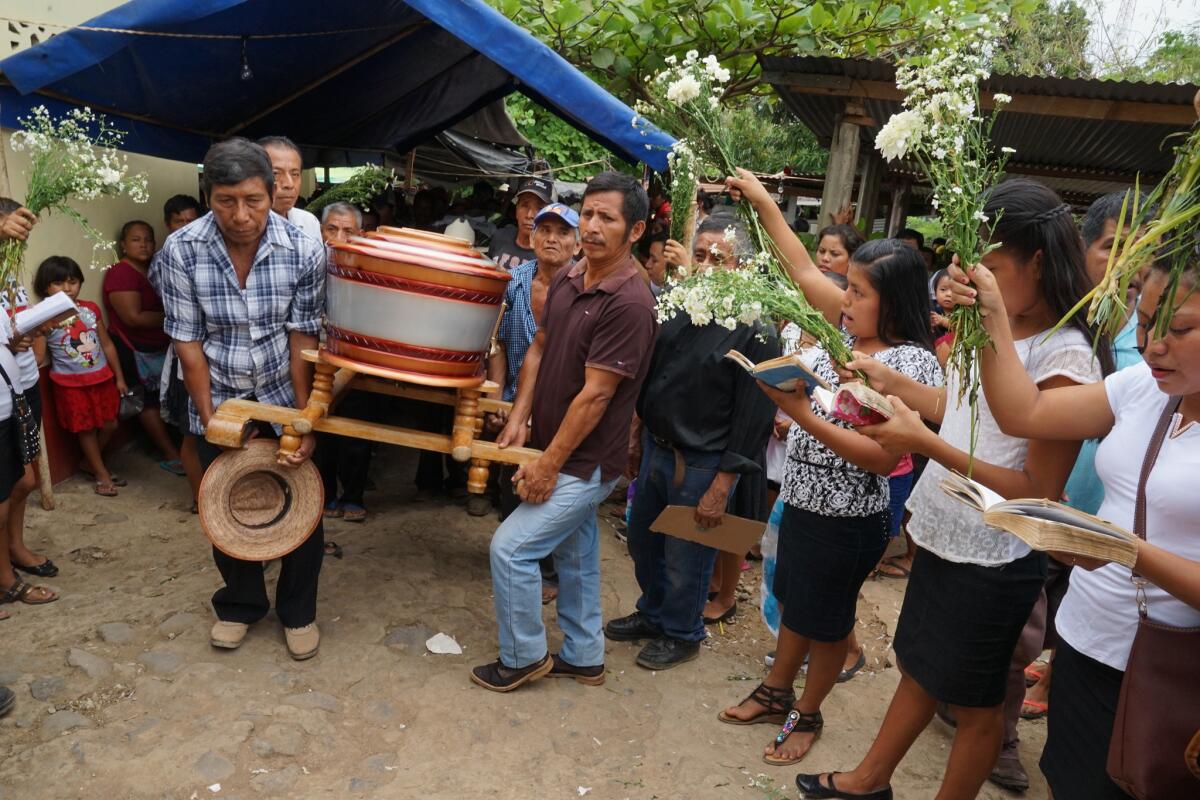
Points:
(1098, 619)
(835, 520)
(973, 587)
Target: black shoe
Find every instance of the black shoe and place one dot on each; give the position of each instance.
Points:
(811, 787)
(7, 700)
(499, 678)
(478, 505)
(46, 569)
(589, 676)
(727, 616)
(631, 628)
(666, 652)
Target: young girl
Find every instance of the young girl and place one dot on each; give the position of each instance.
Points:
(835, 522)
(973, 587)
(1098, 618)
(87, 376)
(939, 318)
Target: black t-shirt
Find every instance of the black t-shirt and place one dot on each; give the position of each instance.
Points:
(505, 251)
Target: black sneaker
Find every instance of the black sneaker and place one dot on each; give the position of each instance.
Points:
(589, 676)
(665, 652)
(631, 628)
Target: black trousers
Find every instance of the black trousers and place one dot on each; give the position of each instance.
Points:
(345, 458)
(243, 598)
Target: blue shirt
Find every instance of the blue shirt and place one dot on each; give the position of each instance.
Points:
(519, 326)
(1084, 490)
(244, 332)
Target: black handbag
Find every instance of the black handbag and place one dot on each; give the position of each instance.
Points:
(25, 426)
(133, 402)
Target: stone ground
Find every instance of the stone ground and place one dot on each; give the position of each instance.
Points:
(121, 696)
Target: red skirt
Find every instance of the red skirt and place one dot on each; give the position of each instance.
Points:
(85, 408)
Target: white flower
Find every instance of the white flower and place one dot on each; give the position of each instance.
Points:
(956, 189)
(1008, 150)
(109, 176)
(683, 90)
(1001, 98)
(691, 56)
(900, 133)
(672, 60)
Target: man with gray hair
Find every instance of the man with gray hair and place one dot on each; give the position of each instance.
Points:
(692, 455)
(340, 221)
(243, 292)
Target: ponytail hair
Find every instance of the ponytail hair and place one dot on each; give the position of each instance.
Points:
(1030, 218)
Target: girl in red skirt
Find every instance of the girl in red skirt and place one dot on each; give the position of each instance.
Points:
(84, 368)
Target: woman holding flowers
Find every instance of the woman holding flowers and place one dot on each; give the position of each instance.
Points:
(1099, 615)
(835, 520)
(973, 587)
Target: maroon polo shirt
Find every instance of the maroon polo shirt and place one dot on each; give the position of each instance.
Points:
(609, 326)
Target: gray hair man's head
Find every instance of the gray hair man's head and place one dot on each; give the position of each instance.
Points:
(235, 160)
(342, 208)
(722, 224)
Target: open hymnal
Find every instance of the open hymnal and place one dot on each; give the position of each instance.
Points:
(1046, 525)
(855, 403)
(784, 373)
(51, 311)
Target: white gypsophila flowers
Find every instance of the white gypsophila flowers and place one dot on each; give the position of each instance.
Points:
(900, 133)
(683, 90)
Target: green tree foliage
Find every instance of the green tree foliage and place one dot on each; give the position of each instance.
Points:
(571, 154)
(1050, 40)
(769, 139)
(1176, 58)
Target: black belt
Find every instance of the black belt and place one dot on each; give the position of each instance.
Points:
(680, 463)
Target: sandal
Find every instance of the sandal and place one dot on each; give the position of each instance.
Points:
(353, 513)
(890, 563)
(106, 488)
(333, 510)
(549, 594)
(776, 702)
(173, 466)
(4, 615)
(332, 548)
(1034, 672)
(113, 478)
(20, 592)
(796, 722)
(1033, 709)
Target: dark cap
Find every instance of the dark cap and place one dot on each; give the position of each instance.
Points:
(541, 187)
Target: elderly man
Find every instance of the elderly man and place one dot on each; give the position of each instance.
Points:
(286, 166)
(692, 454)
(578, 384)
(340, 221)
(243, 292)
(512, 246)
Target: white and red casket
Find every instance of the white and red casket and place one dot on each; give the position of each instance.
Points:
(413, 305)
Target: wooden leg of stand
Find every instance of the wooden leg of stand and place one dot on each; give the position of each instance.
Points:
(463, 433)
(477, 476)
(319, 399)
(289, 443)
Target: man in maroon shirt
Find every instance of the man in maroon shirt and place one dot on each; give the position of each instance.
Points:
(578, 384)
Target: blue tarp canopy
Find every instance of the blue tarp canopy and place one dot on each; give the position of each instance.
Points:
(342, 79)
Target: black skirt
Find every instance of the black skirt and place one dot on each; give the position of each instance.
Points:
(960, 624)
(1083, 709)
(821, 565)
(11, 468)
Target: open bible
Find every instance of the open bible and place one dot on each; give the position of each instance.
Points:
(786, 373)
(1045, 524)
(855, 403)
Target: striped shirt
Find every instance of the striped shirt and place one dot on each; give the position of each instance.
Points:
(244, 332)
(519, 326)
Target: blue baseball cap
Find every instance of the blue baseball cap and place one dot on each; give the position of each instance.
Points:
(560, 210)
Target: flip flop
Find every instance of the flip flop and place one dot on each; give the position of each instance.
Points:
(332, 510)
(175, 467)
(113, 478)
(105, 489)
(4, 615)
(353, 513)
(332, 548)
(1032, 709)
(1033, 675)
(900, 572)
(796, 722)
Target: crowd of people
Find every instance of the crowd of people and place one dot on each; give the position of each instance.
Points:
(595, 383)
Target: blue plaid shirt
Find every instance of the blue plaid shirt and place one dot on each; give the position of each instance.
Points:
(244, 332)
(518, 327)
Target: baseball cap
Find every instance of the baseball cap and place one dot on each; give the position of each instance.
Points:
(560, 210)
(541, 187)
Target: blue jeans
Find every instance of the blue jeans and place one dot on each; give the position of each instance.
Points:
(564, 525)
(673, 574)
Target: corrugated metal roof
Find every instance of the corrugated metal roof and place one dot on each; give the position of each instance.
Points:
(1060, 150)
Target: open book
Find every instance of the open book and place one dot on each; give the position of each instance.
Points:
(855, 403)
(52, 310)
(784, 373)
(1045, 524)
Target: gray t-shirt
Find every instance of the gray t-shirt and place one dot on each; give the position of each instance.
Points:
(505, 251)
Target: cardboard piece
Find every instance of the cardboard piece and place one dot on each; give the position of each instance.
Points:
(733, 535)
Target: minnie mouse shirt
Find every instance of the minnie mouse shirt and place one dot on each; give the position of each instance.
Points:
(74, 345)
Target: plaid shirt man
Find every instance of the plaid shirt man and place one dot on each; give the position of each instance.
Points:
(518, 326)
(244, 332)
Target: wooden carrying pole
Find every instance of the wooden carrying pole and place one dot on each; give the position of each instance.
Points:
(45, 485)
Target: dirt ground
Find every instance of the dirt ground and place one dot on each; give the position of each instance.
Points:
(121, 696)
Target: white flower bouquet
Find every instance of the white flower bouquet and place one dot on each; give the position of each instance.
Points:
(944, 130)
(685, 181)
(73, 158)
(688, 97)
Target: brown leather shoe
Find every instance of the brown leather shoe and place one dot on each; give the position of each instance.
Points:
(304, 642)
(589, 676)
(498, 678)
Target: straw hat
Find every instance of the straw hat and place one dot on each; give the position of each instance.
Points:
(254, 509)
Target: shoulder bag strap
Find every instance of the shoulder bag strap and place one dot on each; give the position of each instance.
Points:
(1139, 508)
(8, 380)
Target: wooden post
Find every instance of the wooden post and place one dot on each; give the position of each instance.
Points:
(839, 176)
(463, 432)
(868, 193)
(898, 214)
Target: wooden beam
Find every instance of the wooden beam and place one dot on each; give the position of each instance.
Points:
(1139, 111)
(868, 192)
(898, 214)
(424, 393)
(839, 175)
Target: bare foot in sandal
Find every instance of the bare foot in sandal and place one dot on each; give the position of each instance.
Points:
(795, 738)
(21, 592)
(766, 704)
(105, 489)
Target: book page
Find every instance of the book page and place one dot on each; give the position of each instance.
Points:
(1065, 516)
